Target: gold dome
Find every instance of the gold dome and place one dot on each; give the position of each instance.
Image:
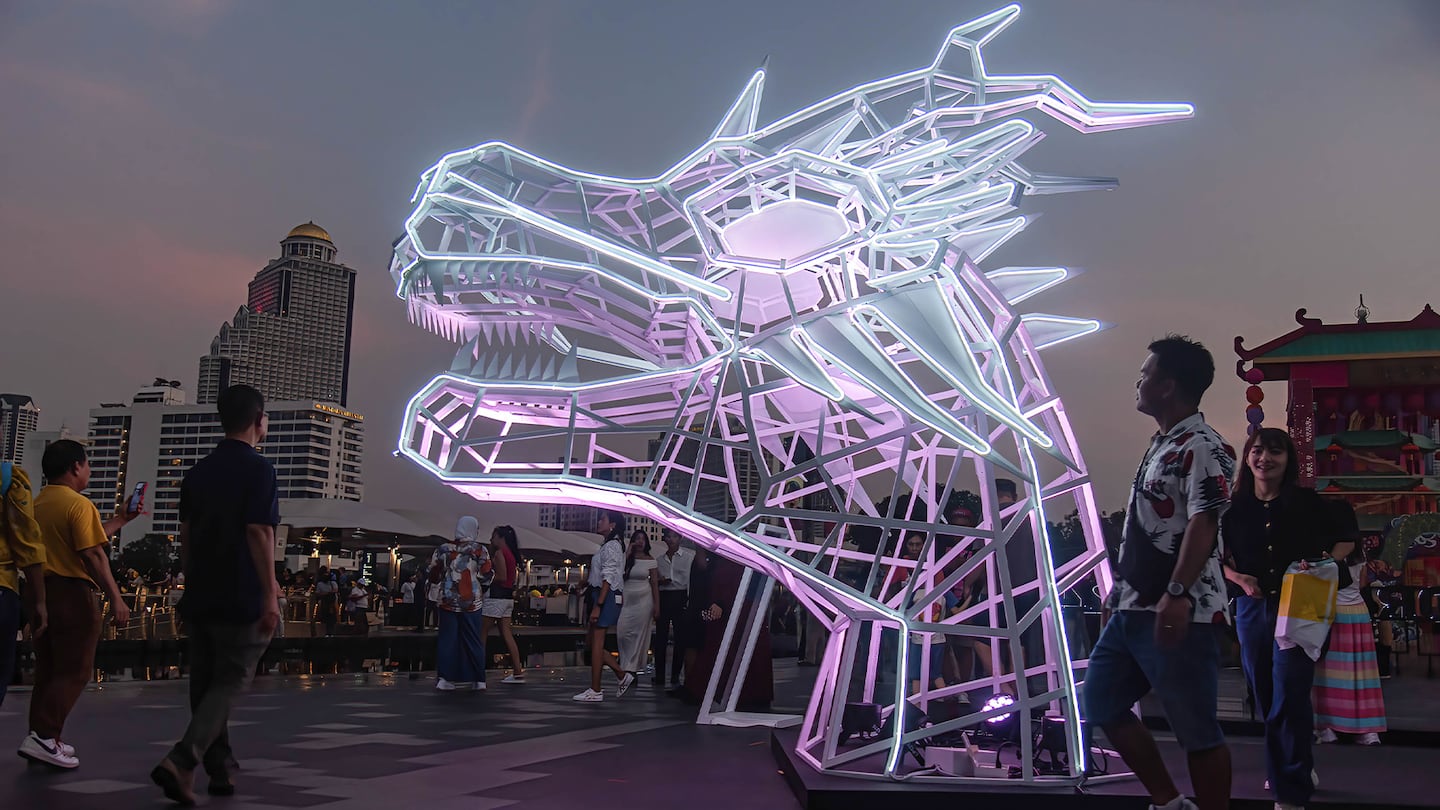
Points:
(308, 231)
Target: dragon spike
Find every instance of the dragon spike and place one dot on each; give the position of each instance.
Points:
(979, 31)
(465, 356)
(920, 319)
(744, 114)
(826, 139)
(790, 356)
(1043, 183)
(1020, 283)
(569, 370)
(1051, 330)
(961, 51)
(981, 242)
(787, 354)
(842, 341)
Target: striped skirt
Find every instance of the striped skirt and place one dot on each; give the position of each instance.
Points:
(1347, 681)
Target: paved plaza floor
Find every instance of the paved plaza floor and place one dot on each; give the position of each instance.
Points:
(356, 742)
(361, 742)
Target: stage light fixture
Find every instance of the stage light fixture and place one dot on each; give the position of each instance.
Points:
(1000, 701)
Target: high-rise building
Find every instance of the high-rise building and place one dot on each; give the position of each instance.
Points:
(570, 517)
(291, 339)
(316, 447)
(19, 416)
(715, 492)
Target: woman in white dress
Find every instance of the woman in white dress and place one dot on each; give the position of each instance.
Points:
(641, 604)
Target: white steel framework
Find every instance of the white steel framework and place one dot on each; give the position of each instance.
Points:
(803, 296)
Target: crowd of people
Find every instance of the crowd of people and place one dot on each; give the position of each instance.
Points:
(648, 601)
(1198, 517)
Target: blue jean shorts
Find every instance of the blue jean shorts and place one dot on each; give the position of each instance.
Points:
(609, 610)
(1126, 665)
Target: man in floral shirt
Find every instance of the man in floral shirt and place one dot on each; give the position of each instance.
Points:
(1170, 594)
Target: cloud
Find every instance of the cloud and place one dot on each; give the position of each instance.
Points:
(192, 18)
(540, 73)
(92, 93)
(101, 262)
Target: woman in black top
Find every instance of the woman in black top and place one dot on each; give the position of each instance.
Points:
(1271, 523)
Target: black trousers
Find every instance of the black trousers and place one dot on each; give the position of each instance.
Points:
(672, 613)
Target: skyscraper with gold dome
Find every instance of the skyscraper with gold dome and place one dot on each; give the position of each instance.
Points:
(291, 339)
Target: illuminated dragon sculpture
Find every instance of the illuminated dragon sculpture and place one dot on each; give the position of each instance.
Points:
(770, 347)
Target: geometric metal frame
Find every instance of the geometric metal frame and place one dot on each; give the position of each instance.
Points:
(768, 343)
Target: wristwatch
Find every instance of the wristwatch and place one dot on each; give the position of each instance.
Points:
(1176, 589)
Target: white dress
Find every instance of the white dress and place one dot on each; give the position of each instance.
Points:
(636, 617)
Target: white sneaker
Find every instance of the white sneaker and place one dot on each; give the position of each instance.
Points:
(1369, 738)
(444, 685)
(1314, 779)
(1325, 736)
(625, 684)
(479, 686)
(514, 679)
(1184, 804)
(589, 696)
(47, 752)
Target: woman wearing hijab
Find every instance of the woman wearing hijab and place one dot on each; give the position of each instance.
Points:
(461, 569)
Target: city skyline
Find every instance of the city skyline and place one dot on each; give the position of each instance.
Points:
(1267, 202)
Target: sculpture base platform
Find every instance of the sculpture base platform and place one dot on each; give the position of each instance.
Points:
(1355, 777)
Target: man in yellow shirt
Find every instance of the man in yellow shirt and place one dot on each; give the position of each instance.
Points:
(75, 563)
(20, 550)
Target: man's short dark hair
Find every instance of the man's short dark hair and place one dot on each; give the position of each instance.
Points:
(1004, 486)
(1187, 362)
(240, 407)
(60, 456)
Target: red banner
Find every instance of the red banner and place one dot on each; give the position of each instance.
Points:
(1302, 428)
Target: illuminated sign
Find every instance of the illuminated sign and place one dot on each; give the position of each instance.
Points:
(341, 412)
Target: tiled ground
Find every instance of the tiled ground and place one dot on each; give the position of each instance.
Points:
(347, 742)
(357, 742)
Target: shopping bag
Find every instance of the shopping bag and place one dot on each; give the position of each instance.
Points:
(1307, 606)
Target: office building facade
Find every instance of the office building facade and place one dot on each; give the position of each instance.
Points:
(19, 417)
(291, 339)
(317, 448)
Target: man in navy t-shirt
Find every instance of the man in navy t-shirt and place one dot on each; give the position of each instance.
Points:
(228, 514)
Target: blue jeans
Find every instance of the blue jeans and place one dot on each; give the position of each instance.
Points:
(460, 654)
(1126, 665)
(9, 626)
(937, 661)
(1280, 681)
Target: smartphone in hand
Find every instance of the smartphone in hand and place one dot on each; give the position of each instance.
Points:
(137, 500)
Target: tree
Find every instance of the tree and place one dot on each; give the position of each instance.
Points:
(151, 555)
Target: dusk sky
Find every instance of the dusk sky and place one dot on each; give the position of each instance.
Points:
(156, 151)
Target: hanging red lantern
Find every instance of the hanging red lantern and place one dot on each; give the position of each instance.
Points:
(1254, 395)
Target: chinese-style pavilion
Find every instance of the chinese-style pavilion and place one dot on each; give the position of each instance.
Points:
(1364, 408)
